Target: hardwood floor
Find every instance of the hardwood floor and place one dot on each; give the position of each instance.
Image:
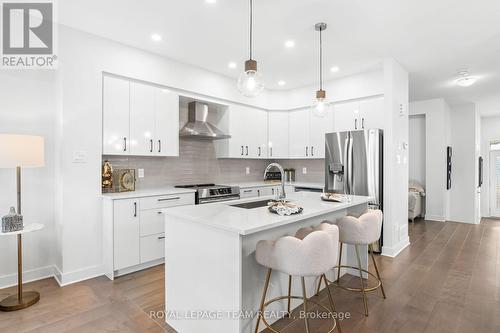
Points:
(447, 280)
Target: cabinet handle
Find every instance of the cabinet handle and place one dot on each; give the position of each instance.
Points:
(356, 123)
(241, 150)
(169, 199)
(259, 151)
(258, 193)
(272, 190)
(312, 150)
(135, 209)
(159, 146)
(124, 144)
(307, 151)
(271, 151)
(247, 191)
(151, 145)
(247, 150)
(159, 213)
(363, 123)
(161, 237)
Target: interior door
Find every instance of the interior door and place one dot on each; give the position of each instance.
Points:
(142, 119)
(495, 183)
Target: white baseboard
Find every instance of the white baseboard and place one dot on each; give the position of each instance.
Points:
(86, 273)
(438, 218)
(395, 250)
(10, 280)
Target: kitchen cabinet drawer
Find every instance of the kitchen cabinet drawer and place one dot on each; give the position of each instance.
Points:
(152, 247)
(166, 201)
(248, 193)
(152, 222)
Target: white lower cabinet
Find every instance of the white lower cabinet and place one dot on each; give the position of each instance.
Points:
(134, 231)
(261, 191)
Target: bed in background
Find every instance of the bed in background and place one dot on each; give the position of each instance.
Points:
(416, 194)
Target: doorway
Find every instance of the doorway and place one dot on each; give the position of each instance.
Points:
(494, 183)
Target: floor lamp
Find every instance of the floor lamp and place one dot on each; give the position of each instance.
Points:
(18, 151)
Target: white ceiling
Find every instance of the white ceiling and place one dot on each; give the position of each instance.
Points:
(433, 39)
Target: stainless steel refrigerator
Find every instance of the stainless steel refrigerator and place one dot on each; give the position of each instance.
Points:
(354, 165)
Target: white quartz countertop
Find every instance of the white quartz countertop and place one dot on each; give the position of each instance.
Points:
(147, 193)
(247, 221)
(276, 183)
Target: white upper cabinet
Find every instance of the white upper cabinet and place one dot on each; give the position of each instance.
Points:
(298, 134)
(371, 113)
(142, 119)
(359, 115)
(248, 129)
(278, 134)
(318, 127)
(166, 123)
(115, 140)
(139, 119)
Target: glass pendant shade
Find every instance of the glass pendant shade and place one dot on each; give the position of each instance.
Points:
(321, 107)
(250, 82)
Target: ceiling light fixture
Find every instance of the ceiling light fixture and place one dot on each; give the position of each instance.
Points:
(281, 83)
(156, 37)
(334, 69)
(289, 43)
(232, 65)
(250, 82)
(464, 80)
(320, 107)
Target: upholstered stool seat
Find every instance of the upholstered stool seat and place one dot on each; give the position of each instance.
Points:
(313, 255)
(364, 230)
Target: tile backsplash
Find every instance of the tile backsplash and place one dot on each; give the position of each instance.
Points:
(197, 164)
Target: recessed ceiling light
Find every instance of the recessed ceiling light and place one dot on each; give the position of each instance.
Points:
(334, 69)
(464, 80)
(231, 65)
(290, 43)
(281, 83)
(156, 37)
(211, 1)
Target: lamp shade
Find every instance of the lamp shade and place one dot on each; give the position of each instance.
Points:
(21, 150)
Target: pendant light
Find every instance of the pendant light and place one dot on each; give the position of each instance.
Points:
(320, 107)
(250, 82)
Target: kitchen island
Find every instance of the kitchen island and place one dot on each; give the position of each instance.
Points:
(213, 282)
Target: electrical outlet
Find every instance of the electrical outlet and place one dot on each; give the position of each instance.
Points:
(79, 156)
(247, 170)
(140, 173)
(304, 171)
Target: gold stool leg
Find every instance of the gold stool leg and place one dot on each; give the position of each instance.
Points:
(376, 270)
(289, 294)
(304, 296)
(340, 263)
(263, 300)
(361, 279)
(319, 284)
(332, 304)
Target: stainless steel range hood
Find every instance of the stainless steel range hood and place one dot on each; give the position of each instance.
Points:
(198, 127)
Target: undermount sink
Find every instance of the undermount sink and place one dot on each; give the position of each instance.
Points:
(251, 205)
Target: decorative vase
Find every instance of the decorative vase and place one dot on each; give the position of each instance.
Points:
(12, 221)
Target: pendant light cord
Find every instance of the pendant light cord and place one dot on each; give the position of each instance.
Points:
(320, 59)
(251, 27)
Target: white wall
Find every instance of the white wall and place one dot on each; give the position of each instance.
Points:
(464, 200)
(416, 148)
(490, 131)
(437, 131)
(28, 103)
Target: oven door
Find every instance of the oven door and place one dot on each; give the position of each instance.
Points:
(218, 199)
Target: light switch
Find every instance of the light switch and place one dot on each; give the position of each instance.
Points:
(140, 173)
(79, 156)
(304, 171)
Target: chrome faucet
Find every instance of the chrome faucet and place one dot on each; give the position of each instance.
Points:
(282, 194)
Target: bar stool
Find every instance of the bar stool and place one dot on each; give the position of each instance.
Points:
(364, 230)
(314, 255)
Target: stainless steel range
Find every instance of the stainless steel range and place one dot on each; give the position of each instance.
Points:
(207, 193)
